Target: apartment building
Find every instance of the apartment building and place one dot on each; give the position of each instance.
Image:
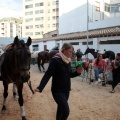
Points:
(40, 17)
(10, 27)
(103, 9)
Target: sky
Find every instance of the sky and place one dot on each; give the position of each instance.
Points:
(16, 5)
(68, 5)
(11, 6)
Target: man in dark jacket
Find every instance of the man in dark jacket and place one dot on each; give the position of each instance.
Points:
(79, 55)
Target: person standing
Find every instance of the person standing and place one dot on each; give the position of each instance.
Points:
(33, 58)
(79, 55)
(60, 70)
(116, 73)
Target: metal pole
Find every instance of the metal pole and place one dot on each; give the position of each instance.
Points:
(87, 24)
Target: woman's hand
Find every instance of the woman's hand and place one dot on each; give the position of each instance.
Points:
(36, 90)
(79, 69)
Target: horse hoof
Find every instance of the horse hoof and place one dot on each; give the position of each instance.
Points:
(23, 118)
(3, 110)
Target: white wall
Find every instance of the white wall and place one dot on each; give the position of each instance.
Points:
(112, 22)
(50, 44)
(74, 21)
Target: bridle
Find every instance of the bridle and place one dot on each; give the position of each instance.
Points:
(16, 62)
(14, 51)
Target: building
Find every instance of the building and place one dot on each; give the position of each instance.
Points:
(10, 27)
(40, 17)
(102, 33)
(98, 10)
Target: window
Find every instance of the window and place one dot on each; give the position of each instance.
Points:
(28, 0)
(29, 33)
(97, 5)
(39, 19)
(56, 10)
(110, 42)
(39, 33)
(29, 27)
(36, 47)
(29, 20)
(54, 25)
(39, 4)
(55, 2)
(57, 25)
(74, 43)
(29, 6)
(107, 7)
(55, 17)
(39, 11)
(89, 43)
(115, 8)
(39, 26)
(29, 13)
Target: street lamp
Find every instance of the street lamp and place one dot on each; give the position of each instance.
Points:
(87, 23)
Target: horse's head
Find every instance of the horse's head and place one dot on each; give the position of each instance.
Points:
(22, 57)
(87, 51)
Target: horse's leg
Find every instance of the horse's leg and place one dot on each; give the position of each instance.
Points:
(15, 95)
(20, 100)
(42, 65)
(39, 63)
(5, 94)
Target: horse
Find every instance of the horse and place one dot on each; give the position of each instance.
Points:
(107, 54)
(16, 69)
(44, 56)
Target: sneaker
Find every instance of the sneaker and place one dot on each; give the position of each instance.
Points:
(96, 82)
(112, 91)
(99, 80)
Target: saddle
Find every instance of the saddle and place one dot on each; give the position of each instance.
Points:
(2, 57)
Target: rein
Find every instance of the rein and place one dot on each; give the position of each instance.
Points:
(30, 86)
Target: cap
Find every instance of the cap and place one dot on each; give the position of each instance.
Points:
(79, 64)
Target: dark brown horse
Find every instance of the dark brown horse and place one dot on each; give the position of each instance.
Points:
(44, 56)
(15, 69)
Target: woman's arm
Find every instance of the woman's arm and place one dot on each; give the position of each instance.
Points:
(48, 74)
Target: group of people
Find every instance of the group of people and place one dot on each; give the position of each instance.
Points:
(111, 67)
(60, 70)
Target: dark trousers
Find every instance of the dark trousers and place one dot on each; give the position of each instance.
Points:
(33, 61)
(62, 105)
(116, 78)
